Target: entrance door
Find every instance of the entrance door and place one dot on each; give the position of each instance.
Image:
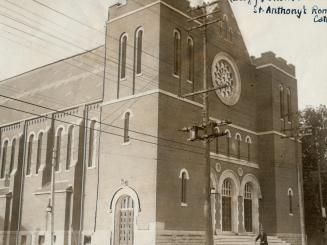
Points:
(124, 225)
(227, 206)
(248, 208)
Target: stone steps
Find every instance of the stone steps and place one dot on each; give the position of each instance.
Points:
(245, 240)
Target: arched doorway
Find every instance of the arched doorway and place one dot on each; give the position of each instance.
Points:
(228, 188)
(227, 205)
(124, 221)
(248, 207)
(251, 193)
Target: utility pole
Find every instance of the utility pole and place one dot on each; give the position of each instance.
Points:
(206, 126)
(297, 133)
(53, 189)
(317, 144)
(51, 205)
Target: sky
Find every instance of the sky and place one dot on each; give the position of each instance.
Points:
(32, 35)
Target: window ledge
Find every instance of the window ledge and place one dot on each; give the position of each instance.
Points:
(91, 167)
(290, 214)
(122, 79)
(190, 82)
(126, 143)
(176, 76)
(139, 74)
(183, 204)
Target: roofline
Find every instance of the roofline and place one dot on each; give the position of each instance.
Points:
(52, 63)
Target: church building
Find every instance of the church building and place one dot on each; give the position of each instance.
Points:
(98, 132)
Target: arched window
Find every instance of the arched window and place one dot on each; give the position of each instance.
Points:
(238, 139)
(190, 56)
(126, 127)
(4, 159)
(58, 149)
(184, 177)
(12, 157)
(217, 140)
(248, 143)
(220, 27)
(281, 101)
(91, 143)
(177, 52)
(39, 153)
(225, 23)
(69, 146)
(138, 50)
(290, 201)
(29, 154)
(228, 136)
(230, 34)
(122, 56)
(227, 188)
(289, 105)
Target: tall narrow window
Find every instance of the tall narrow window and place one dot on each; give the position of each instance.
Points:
(177, 52)
(122, 56)
(217, 145)
(248, 142)
(29, 154)
(227, 205)
(183, 188)
(126, 126)
(184, 177)
(91, 143)
(289, 105)
(39, 153)
(248, 207)
(228, 136)
(58, 149)
(238, 139)
(290, 201)
(69, 147)
(138, 52)
(225, 21)
(4, 159)
(12, 157)
(281, 101)
(190, 54)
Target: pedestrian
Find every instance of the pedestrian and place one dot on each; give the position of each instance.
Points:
(262, 236)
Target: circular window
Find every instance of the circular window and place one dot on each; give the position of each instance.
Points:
(226, 76)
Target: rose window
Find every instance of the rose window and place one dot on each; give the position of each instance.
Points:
(226, 77)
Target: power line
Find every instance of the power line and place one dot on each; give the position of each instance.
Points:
(101, 123)
(102, 131)
(67, 16)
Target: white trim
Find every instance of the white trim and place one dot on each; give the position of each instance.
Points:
(150, 5)
(276, 67)
(233, 160)
(248, 139)
(133, 12)
(229, 134)
(160, 91)
(184, 171)
(238, 134)
(290, 192)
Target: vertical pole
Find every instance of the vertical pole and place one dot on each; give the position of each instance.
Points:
(321, 200)
(53, 181)
(207, 204)
(300, 188)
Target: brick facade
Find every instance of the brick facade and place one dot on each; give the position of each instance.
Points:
(109, 172)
